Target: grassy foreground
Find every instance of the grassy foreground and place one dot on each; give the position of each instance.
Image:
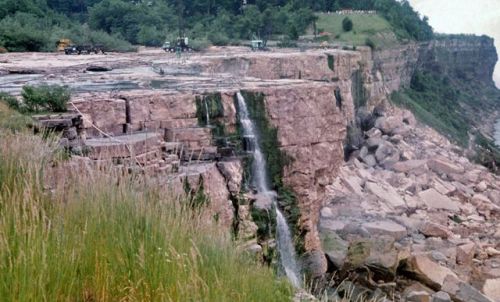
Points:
(102, 241)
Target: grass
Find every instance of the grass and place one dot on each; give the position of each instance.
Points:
(94, 239)
(12, 120)
(372, 27)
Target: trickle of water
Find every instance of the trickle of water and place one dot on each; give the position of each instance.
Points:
(207, 113)
(260, 180)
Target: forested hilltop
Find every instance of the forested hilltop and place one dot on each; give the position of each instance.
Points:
(37, 25)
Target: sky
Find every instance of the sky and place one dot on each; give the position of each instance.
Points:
(464, 16)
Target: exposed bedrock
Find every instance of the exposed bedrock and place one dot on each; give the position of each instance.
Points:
(311, 98)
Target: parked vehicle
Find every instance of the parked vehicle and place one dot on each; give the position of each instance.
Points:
(181, 45)
(83, 49)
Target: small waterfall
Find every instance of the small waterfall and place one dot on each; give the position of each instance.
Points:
(284, 239)
(207, 113)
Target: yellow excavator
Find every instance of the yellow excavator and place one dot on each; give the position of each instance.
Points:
(63, 43)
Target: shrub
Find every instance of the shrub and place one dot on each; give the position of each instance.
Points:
(347, 24)
(199, 44)
(45, 97)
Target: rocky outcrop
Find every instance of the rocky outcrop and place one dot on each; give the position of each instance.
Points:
(469, 58)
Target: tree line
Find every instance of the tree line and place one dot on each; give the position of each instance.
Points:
(35, 25)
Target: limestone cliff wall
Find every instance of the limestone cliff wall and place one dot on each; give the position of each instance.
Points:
(310, 98)
(311, 130)
(325, 65)
(469, 58)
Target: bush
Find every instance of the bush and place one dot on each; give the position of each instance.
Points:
(199, 44)
(347, 24)
(45, 97)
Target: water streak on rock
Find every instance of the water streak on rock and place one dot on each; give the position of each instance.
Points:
(260, 180)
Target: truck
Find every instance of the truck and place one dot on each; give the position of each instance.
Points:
(83, 49)
(181, 44)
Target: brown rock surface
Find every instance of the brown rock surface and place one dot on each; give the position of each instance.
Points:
(427, 271)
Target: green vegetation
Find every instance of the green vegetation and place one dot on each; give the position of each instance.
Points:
(37, 28)
(365, 27)
(427, 115)
(53, 98)
(44, 98)
(347, 24)
(114, 242)
(435, 101)
(11, 119)
(451, 109)
(37, 25)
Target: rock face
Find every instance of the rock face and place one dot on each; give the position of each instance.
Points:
(471, 58)
(403, 196)
(312, 135)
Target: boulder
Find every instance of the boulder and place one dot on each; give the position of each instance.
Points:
(413, 166)
(370, 160)
(492, 252)
(435, 200)
(387, 194)
(383, 256)
(373, 132)
(374, 142)
(387, 155)
(481, 187)
(465, 253)
(491, 289)
(334, 247)
(315, 263)
(441, 297)
(461, 291)
(427, 271)
(388, 124)
(386, 227)
(431, 229)
(444, 166)
(409, 118)
(418, 296)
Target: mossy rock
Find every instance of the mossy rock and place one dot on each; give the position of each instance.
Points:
(334, 247)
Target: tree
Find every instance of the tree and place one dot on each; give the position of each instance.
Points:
(347, 24)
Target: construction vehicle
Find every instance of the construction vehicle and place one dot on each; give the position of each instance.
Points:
(179, 45)
(63, 43)
(83, 49)
(257, 45)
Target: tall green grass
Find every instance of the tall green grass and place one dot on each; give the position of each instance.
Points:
(96, 239)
